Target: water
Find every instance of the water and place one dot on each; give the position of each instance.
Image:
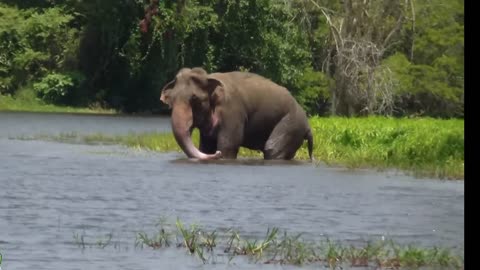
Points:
(51, 191)
(16, 124)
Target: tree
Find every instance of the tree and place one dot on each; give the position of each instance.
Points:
(428, 64)
(33, 44)
(360, 33)
(373, 56)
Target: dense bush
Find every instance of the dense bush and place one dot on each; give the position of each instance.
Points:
(424, 89)
(314, 92)
(34, 43)
(57, 88)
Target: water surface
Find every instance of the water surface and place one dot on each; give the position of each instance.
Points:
(15, 124)
(50, 191)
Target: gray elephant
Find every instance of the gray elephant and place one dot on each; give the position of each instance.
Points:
(235, 109)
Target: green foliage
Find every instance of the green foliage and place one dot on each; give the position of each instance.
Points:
(57, 88)
(439, 30)
(32, 44)
(261, 36)
(289, 42)
(314, 91)
(425, 89)
(420, 145)
(431, 80)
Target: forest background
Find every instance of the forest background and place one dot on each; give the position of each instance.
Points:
(346, 58)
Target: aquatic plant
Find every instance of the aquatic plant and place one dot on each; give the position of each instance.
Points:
(276, 248)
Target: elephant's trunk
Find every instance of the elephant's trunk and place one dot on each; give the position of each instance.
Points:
(182, 121)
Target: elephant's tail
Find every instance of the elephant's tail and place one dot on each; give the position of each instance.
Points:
(309, 138)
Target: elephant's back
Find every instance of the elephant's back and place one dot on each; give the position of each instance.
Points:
(258, 90)
(262, 102)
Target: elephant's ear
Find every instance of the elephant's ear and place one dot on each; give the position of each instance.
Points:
(165, 95)
(217, 92)
(200, 77)
(214, 87)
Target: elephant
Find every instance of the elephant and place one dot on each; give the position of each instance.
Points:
(232, 110)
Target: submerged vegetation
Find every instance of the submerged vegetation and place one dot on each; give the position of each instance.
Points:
(281, 248)
(424, 146)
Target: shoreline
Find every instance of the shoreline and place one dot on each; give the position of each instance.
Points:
(424, 147)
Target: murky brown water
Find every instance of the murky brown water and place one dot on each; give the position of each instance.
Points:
(50, 191)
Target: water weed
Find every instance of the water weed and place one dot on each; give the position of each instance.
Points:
(104, 241)
(162, 239)
(189, 235)
(80, 240)
(277, 248)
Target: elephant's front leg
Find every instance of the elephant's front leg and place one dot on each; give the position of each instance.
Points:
(208, 145)
(229, 141)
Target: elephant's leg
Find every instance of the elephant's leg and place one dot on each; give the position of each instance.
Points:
(208, 145)
(229, 141)
(230, 152)
(285, 139)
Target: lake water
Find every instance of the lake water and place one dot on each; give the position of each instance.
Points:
(51, 191)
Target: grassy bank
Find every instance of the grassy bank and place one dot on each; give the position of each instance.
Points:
(282, 248)
(424, 146)
(31, 104)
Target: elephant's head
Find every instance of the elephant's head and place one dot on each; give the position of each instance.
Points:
(193, 96)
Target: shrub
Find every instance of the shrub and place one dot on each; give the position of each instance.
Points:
(57, 87)
(313, 92)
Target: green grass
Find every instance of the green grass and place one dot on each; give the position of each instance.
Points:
(425, 146)
(26, 101)
(282, 248)
(422, 146)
